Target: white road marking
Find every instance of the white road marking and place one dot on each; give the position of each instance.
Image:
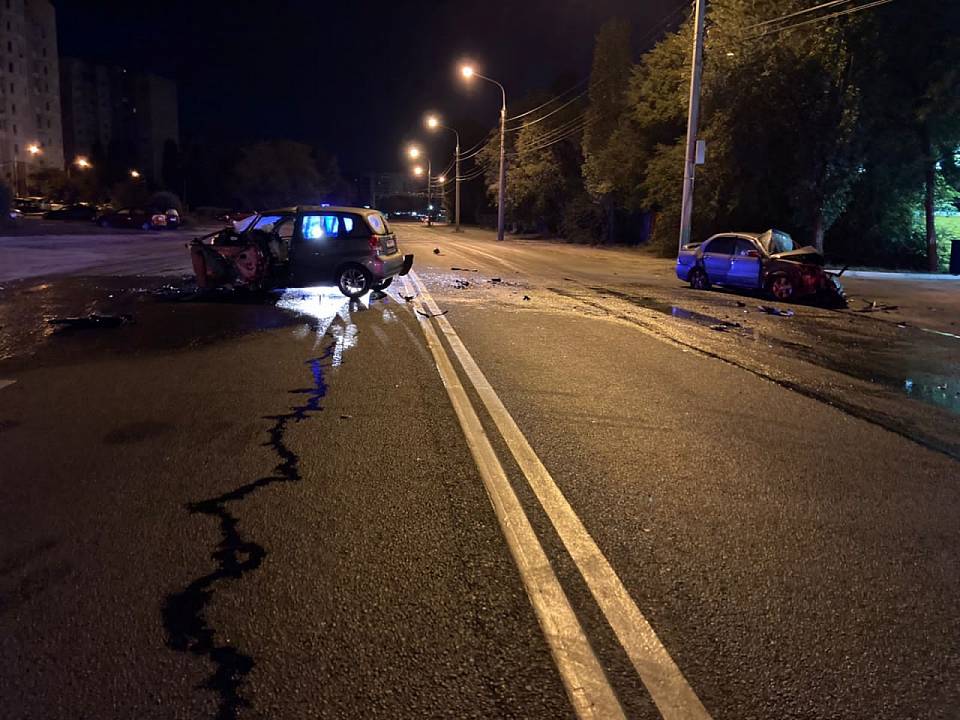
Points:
(669, 689)
(6, 383)
(581, 672)
(470, 249)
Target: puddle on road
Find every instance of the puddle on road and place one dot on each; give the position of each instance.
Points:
(893, 364)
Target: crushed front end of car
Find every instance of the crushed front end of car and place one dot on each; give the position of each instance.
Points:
(229, 259)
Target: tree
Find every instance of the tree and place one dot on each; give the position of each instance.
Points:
(278, 173)
(534, 181)
(603, 164)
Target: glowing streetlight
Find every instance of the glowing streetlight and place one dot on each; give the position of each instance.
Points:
(441, 179)
(418, 170)
(34, 149)
(413, 151)
(134, 174)
(433, 122)
(468, 73)
(82, 163)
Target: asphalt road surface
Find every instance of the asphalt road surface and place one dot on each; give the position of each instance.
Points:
(530, 481)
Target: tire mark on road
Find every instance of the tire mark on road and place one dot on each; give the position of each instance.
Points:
(184, 612)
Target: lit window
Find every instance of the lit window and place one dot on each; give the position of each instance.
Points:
(319, 226)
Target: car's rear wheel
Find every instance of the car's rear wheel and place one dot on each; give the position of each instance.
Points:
(699, 279)
(383, 284)
(353, 281)
(780, 287)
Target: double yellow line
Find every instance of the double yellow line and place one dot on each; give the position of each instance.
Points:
(583, 676)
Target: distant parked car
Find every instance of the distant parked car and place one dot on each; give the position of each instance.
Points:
(770, 261)
(14, 216)
(141, 218)
(77, 211)
(31, 205)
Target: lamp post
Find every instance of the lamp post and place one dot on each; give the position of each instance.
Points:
(469, 72)
(433, 122)
(414, 152)
(80, 162)
(34, 149)
(135, 174)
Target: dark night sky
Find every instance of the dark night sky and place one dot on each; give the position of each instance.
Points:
(352, 77)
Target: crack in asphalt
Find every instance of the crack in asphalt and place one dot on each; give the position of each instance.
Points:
(184, 612)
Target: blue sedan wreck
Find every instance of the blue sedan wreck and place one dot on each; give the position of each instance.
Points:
(768, 261)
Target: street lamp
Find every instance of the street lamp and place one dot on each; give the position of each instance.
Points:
(80, 162)
(433, 122)
(34, 149)
(415, 152)
(468, 73)
(135, 174)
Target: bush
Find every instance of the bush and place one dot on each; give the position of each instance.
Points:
(164, 200)
(583, 220)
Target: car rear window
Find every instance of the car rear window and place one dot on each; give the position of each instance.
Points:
(378, 223)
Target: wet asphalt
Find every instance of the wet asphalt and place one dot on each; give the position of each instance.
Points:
(267, 508)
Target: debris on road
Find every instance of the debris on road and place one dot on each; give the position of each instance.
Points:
(429, 315)
(770, 310)
(346, 417)
(526, 297)
(94, 320)
(407, 298)
(874, 306)
(461, 284)
(741, 304)
(460, 269)
(436, 251)
(495, 280)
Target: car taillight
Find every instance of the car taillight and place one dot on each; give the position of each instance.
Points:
(374, 242)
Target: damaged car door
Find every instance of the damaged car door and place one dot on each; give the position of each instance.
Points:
(315, 248)
(745, 265)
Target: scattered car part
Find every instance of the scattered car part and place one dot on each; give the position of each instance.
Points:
(94, 320)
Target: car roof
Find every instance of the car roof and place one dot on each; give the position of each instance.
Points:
(320, 208)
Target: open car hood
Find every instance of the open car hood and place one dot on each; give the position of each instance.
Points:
(808, 254)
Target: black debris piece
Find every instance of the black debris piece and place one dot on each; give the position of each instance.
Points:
(429, 315)
(741, 304)
(346, 417)
(526, 297)
(94, 320)
(495, 280)
(460, 269)
(770, 310)
(436, 251)
(407, 298)
(461, 284)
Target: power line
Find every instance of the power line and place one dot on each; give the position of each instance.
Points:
(663, 21)
(551, 100)
(840, 13)
(821, 6)
(552, 112)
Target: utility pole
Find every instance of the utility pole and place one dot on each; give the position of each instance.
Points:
(429, 194)
(693, 122)
(503, 171)
(456, 157)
